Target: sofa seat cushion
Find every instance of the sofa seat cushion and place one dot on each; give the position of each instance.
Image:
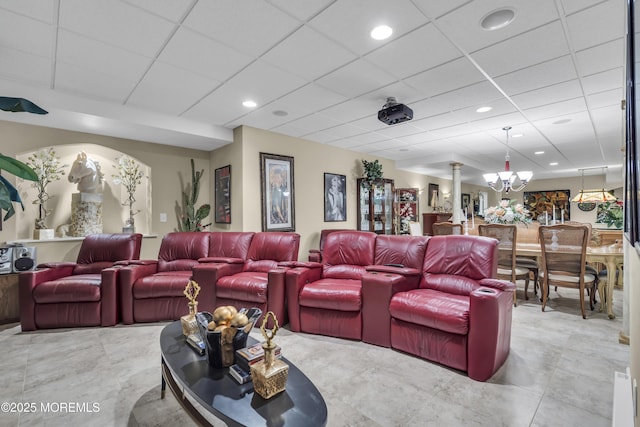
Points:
(332, 294)
(166, 284)
(77, 288)
(245, 286)
(433, 309)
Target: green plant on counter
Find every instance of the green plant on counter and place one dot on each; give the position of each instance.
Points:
(8, 193)
(191, 218)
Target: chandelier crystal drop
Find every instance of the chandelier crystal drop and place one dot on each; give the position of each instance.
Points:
(507, 180)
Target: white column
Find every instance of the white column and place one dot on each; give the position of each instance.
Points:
(456, 193)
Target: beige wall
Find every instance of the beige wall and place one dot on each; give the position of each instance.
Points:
(170, 169)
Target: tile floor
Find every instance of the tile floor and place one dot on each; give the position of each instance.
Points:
(559, 373)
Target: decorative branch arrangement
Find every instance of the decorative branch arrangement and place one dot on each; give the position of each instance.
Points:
(191, 219)
(48, 169)
(129, 176)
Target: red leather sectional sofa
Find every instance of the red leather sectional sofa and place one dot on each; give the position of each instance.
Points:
(433, 297)
(232, 268)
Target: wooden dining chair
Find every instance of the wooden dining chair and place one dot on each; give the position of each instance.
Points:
(444, 228)
(508, 268)
(564, 251)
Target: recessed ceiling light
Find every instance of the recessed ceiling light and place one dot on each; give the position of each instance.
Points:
(553, 164)
(381, 32)
(249, 104)
(483, 109)
(537, 153)
(561, 121)
(280, 113)
(517, 135)
(497, 19)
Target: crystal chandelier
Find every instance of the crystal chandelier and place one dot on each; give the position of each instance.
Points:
(506, 180)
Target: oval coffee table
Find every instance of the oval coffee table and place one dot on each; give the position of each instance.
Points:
(188, 373)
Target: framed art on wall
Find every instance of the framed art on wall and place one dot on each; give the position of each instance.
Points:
(223, 195)
(434, 195)
(277, 192)
(540, 202)
(335, 197)
(407, 208)
(465, 201)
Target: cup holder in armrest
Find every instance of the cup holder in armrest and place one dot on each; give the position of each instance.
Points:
(487, 291)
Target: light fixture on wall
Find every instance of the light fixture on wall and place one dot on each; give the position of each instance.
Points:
(506, 180)
(593, 196)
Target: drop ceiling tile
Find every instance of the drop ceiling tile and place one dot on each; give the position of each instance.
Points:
(308, 99)
(321, 137)
(437, 8)
(356, 78)
(344, 131)
(539, 45)
(264, 83)
(302, 10)
(601, 58)
(41, 11)
(73, 79)
(351, 110)
(116, 23)
(38, 34)
(203, 56)
(96, 56)
(291, 130)
(538, 76)
(399, 130)
(154, 93)
(609, 98)
(308, 54)
(221, 107)
(573, 6)
(24, 67)
(250, 27)
(475, 95)
(414, 52)
(607, 17)
(444, 78)
(555, 109)
(172, 10)
(548, 95)
(313, 123)
(350, 22)
(607, 80)
(463, 24)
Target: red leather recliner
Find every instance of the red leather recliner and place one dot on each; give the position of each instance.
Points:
(261, 281)
(315, 255)
(152, 290)
(459, 316)
(84, 293)
(326, 298)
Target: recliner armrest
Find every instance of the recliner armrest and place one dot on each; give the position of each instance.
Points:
(136, 262)
(295, 264)
(219, 259)
(503, 285)
(57, 264)
(392, 269)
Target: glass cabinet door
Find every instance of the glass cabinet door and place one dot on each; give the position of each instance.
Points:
(375, 206)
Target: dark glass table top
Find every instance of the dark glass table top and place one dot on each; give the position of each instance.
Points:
(301, 404)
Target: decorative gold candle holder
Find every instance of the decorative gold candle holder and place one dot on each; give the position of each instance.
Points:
(188, 321)
(269, 375)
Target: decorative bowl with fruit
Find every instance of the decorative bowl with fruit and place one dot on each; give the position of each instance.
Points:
(225, 331)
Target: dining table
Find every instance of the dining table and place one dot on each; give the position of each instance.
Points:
(612, 256)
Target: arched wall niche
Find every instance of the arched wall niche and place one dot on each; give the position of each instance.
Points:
(114, 213)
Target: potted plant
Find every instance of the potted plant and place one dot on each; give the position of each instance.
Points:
(372, 171)
(191, 218)
(48, 169)
(611, 213)
(129, 176)
(8, 193)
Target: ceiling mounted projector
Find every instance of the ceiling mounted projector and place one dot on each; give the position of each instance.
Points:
(392, 112)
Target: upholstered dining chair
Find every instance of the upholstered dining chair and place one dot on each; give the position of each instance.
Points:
(444, 228)
(564, 251)
(508, 268)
